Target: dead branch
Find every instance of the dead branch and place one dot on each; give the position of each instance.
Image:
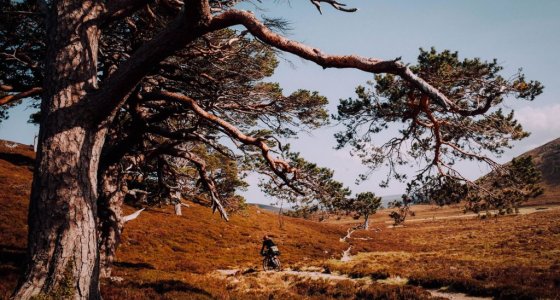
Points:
(132, 216)
(337, 5)
(207, 181)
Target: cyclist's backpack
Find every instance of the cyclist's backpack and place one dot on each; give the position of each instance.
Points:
(275, 250)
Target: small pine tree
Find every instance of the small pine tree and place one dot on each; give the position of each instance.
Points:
(402, 209)
(506, 190)
(365, 204)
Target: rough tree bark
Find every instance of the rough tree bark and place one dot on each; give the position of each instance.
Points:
(63, 249)
(111, 223)
(62, 215)
(63, 240)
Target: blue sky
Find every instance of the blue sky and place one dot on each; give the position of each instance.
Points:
(518, 33)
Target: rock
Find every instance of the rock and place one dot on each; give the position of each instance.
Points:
(249, 271)
(116, 279)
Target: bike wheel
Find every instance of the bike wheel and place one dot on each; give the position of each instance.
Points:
(266, 265)
(277, 265)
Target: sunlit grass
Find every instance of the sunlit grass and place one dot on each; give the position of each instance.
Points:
(163, 256)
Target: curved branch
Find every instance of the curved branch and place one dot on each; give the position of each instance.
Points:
(371, 65)
(333, 3)
(197, 20)
(14, 97)
(207, 181)
(279, 167)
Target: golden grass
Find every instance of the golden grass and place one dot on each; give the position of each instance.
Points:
(200, 241)
(163, 256)
(15, 184)
(505, 256)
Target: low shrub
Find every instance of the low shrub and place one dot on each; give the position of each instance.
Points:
(390, 292)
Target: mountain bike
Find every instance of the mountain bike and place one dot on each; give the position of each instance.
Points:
(271, 262)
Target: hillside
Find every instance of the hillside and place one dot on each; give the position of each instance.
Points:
(200, 256)
(199, 241)
(159, 241)
(271, 208)
(547, 159)
(15, 183)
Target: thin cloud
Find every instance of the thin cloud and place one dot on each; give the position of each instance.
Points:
(539, 119)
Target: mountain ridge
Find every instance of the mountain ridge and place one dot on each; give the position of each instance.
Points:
(547, 159)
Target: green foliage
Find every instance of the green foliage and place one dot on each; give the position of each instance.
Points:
(401, 209)
(365, 204)
(21, 38)
(233, 92)
(430, 135)
(312, 189)
(440, 190)
(505, 190)
(22, 49)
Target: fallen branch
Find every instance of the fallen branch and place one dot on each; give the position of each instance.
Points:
(346, 255)
(132, 216)
(348, 234)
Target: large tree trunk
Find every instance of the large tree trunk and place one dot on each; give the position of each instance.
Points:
(63, 245)
(111, 222)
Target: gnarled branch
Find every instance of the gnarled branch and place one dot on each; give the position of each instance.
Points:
(206, 180)
(15, 97)
(371, 65)
(333, 3)
(280, 167)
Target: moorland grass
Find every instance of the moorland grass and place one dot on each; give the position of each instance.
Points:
(163, 256)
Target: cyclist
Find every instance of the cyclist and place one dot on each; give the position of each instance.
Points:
(271, 248)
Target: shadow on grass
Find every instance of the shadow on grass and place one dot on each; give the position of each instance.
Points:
(12, 255)
(130, 265)
(477, 288)
(12, 260)
(17, 159)
(164, 286)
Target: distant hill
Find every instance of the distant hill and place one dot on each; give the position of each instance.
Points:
(270, 208)
(389, 198)
(384, 202)
(547, 159)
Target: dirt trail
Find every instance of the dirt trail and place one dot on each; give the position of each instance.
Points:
(237, 275)
(454, 296)
(307, 274)
(280, 280)
(522, 211)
